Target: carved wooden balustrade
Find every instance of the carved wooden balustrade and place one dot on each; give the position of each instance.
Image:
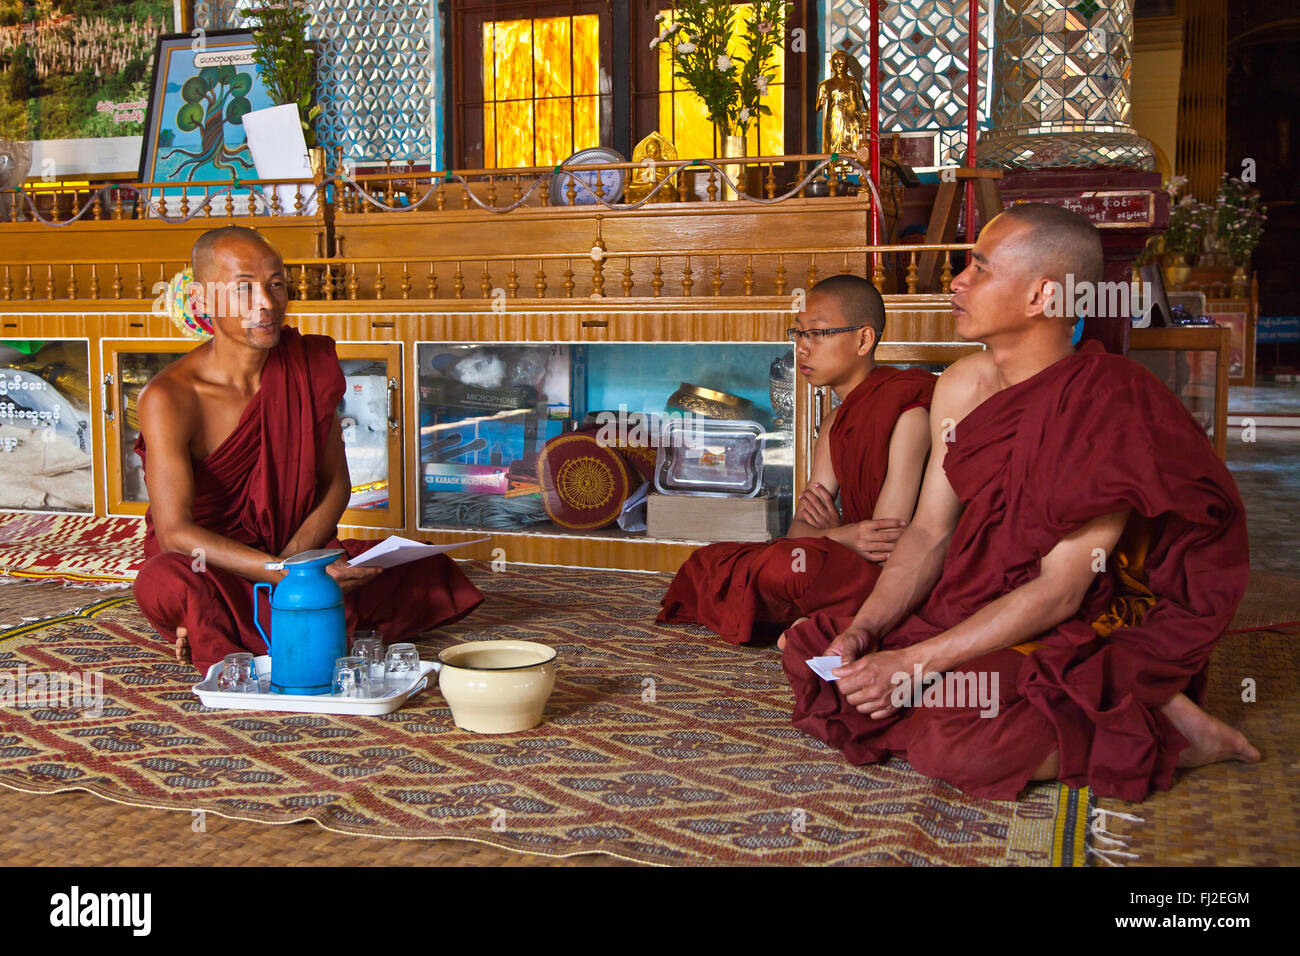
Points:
(599, 274)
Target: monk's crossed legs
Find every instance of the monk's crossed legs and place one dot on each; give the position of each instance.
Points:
(992, 744)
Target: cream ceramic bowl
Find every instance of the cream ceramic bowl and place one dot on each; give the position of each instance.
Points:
(496, 687)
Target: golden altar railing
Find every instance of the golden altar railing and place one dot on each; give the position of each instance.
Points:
(497, 278)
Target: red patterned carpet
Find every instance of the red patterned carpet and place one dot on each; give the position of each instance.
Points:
(659, 746)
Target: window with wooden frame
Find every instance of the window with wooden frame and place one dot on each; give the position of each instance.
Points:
(530, 81)
(660, 101)
(534, 81)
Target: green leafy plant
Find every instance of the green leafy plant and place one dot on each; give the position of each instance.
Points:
(731, 87)
(287, 59)
(1238, 218)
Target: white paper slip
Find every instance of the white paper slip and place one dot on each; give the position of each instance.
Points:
(822, 666)
(396, 550)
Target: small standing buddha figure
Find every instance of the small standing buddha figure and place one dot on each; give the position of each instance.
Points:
(846, 125)
(645, 177)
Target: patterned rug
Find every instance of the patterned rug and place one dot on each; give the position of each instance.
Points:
(78, 549)
(659, 746)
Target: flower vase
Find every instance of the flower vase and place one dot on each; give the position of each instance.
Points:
(732, 148)
(1177, 269)
(1241, 280)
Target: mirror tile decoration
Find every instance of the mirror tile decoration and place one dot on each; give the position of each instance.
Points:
(379, 66)
(924, 64)
(1062, 87)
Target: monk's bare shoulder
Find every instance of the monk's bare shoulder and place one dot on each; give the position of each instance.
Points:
(963, 385)
(169, 404)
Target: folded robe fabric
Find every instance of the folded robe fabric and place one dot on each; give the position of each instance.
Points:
(257, 488)
(739, 590)
(1090, 435)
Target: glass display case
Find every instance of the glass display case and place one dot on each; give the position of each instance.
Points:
(369, 415)
(1193, 362)
(46, 451)
(564, 438)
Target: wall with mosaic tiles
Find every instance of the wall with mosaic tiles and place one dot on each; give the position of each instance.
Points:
(380, 70)
(924, 63)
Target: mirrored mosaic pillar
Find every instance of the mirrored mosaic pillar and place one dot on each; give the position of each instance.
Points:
(1062, 75)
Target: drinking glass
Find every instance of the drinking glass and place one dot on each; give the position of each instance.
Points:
(239, 674)
(401, 666)
(351, 677)
(370, 645)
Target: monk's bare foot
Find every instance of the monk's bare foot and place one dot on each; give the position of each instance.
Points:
(182, 645)
(1209, 740)
(780, 641)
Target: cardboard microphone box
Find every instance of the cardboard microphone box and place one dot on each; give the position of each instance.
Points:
(704, 518)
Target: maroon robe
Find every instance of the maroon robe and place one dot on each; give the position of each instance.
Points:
(738, 589)
(257, 488)
(1090, 435)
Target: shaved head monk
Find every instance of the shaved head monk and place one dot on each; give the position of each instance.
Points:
(870, 452)
(1078, 549)
(244, 462)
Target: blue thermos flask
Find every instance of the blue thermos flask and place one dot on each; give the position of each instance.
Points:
(308, 627)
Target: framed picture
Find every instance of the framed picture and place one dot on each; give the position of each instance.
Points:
(76, 79)
(194, 129)
(1240, 372)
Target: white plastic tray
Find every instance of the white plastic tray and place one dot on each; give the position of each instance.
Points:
(207, 692)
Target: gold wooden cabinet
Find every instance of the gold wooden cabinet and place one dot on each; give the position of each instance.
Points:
(128, 366)
(370, 412)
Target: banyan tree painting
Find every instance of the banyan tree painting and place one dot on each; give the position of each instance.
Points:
(202, 90)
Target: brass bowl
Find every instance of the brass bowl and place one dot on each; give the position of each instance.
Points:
(708, 403)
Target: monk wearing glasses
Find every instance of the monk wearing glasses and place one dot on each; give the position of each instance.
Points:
(866, 473)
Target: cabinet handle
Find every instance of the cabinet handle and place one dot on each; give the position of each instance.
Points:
(109, 414)
(394, 423)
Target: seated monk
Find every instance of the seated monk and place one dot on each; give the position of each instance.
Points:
(244, 462)
(1078, 548)
(871, 452)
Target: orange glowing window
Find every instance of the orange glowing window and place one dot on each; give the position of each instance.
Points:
(682, 112)
(541, 90)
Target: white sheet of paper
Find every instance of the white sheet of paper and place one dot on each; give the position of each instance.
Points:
(396, 550)
(280, 152)
(632, 517)
(822, 666)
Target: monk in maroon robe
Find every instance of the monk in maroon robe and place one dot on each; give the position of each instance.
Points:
(1077, 551)
(244, 462)
(871, 451)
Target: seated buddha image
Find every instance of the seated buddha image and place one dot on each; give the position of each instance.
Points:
(645, 177)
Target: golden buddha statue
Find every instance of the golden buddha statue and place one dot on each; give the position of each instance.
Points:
(646, 177)
(846, 127)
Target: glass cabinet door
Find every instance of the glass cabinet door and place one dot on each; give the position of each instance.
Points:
(129, 364)
(568, 438)
(46, 461)
(371, 416)
(369, 413)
